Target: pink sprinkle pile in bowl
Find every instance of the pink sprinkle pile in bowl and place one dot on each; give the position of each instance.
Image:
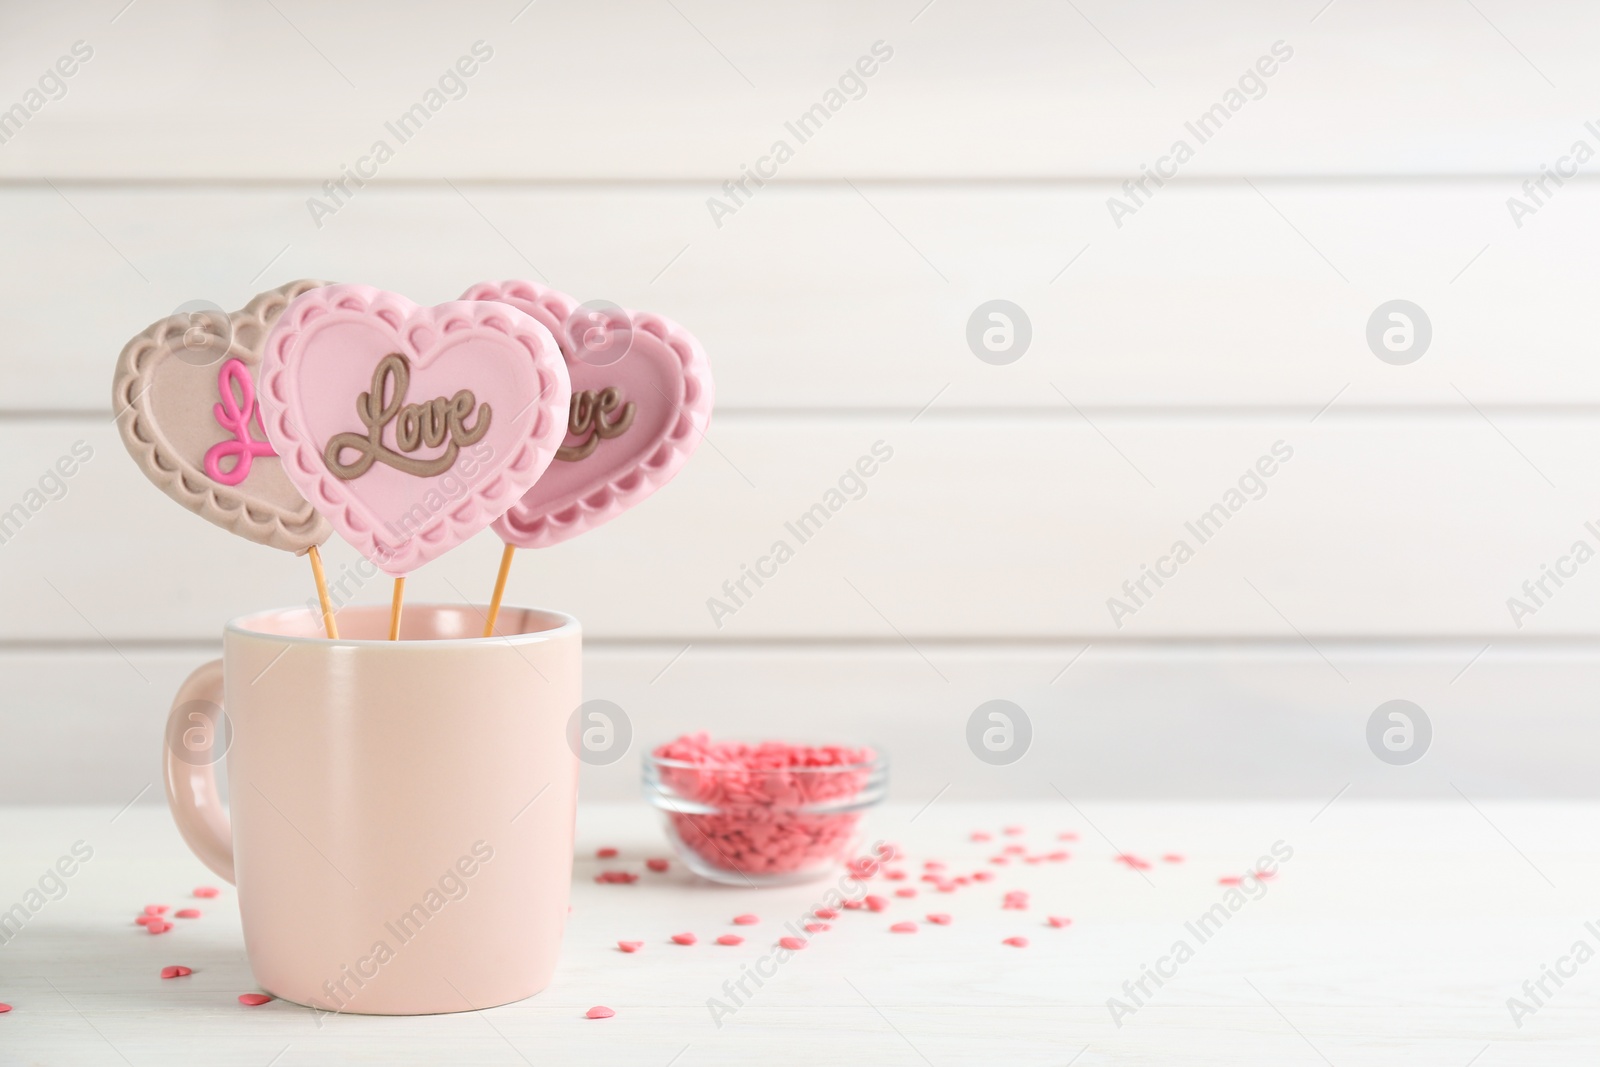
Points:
(771, 813)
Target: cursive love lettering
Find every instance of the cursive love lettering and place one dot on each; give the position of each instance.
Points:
(426, 425)
(594, 417)
(234, 414)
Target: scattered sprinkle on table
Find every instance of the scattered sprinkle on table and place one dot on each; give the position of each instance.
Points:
(175, 971)
(1057, 921)
(817, 928)
(253, 1000)
(156, 909)
(4, 1008)
(156, 926)
(793, 943)
(599, 1011)
(1016, 942)
(939, 918)
(1013, 831)
(683, 939)
(607, 853)
(186, 913)
(825, 913)
(656, 864)
(207, 891)
(730, 939)
(903, 928)
(616, 878)
(875, 902)
(630, 946)
(906, 891)
(749, 920)
(1172, 857)
(979, 835)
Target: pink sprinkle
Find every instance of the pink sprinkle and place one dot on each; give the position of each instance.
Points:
(683, 939)
(999, 860)
(599, 1011)
(146, 920)
(1172, 857)
(1133, 862)
(156, 926)
(658, 865)
(730, 939)
(253, 1000)
(1265, 875)
(939, 918)
(875, 903)
(630, 946)
(616, 878)
(751, 920)
(606, 853)
(903, 928)
(175, 972)
(1230, 880)
(825, 913)
(1058, 922)
(1016, 900)
(1013, 831)
(4, 1008)
(979, 835)
(207, 891)
(792, 942)
(947, 887)
(1059, 857)
(1068, 836)
(186, 913)
(854, 905)
(1014, 850)
(933, 865)
(1016, 942)
(895, 876)
(817, 928)
(156, 909)
(983, 876)
(905, 891)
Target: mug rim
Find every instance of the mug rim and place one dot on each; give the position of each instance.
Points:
(568, 625)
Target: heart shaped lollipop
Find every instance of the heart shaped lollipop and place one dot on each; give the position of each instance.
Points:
(411, 428)
(184, 395)
(641, 401)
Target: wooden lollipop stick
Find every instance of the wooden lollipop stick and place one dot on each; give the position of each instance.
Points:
(322, 593)
(394, 608)
(499, 589)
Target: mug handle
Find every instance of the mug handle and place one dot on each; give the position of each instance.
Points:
(192, 788)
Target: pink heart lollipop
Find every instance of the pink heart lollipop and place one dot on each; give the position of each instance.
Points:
(641, 401)
(410, 428)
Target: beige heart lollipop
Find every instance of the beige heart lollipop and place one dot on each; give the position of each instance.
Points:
(185, 402)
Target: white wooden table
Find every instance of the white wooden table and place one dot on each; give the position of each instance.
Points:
(1395, 934)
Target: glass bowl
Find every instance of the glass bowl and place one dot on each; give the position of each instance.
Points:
(764, 826)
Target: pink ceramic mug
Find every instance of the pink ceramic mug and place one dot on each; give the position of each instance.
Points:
(402, 811)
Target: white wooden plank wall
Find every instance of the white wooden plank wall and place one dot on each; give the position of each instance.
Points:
(1224, 316)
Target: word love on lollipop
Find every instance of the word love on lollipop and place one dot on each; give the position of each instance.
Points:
(438, 422)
